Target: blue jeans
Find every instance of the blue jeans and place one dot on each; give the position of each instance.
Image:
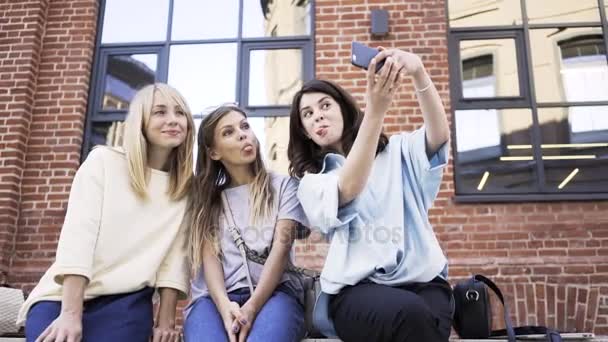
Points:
(281, 319)
(120, 317)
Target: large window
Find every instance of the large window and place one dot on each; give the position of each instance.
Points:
(254, 53)
(529, 88)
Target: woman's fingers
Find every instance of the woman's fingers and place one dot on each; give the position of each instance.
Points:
(371, 73)
(395, 84)
(383, 76)
(392, 78)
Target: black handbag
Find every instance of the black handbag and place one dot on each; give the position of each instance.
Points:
(473, 315)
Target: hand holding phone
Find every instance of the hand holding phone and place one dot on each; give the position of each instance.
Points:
(361, 56)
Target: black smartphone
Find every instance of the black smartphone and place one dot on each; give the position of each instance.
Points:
(361, 56)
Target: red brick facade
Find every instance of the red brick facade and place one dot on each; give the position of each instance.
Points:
(551, 259)
(46, 57)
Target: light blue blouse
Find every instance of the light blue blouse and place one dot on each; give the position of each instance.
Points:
(384, 235)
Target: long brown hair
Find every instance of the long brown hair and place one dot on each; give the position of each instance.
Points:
(211, 178)
(306, 156)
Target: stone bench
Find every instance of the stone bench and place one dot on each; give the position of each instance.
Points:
(566, 337)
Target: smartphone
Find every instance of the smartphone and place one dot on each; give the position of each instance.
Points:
(361, 56)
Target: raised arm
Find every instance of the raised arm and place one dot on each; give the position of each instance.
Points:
(435, 121)
(381, 88)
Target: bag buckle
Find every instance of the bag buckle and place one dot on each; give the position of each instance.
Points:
(472, 295)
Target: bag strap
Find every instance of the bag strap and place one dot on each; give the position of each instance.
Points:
(236, 236)
(509, 326)
(252, 255)
(552, 335)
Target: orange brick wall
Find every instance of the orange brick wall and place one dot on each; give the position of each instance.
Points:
(550, 258)
(46, 109)
(22, 25)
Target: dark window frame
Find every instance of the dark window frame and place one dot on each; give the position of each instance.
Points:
(462, 103)
(162, 48)
(526, 100)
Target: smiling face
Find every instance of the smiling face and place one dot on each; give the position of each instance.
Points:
(167, 125)
(322, 120)
(234, 143)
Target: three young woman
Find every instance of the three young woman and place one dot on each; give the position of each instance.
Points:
(122, 234)
(384, 277)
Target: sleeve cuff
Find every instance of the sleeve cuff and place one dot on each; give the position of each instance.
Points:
(61, 272)
(319, 197)
(438, 160)
(183, 290)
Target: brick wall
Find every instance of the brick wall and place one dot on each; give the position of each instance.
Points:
(21, 31)
(52, 124)
(550, 258)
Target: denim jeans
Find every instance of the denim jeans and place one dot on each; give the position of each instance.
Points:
(121, 317)
(281, 319)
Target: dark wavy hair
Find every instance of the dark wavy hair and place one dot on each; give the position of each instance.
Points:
(306, 156)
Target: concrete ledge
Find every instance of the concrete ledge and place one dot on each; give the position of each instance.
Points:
(567, 338)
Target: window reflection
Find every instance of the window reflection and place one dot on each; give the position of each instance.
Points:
(120, 25)
(575, 148)
(205, 19)
(125, 75)
(464, 13)
(562, 11)
(266, 85)
(107, 133)
(486, 164)
(569, 65)
(205, 74)
(273, 18)
(273, 135)
(489, 68)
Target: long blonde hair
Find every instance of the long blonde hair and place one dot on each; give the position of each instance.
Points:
(136, 145)
(211, 178)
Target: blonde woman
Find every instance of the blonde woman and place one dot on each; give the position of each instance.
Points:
(122, 235)
(232, 188)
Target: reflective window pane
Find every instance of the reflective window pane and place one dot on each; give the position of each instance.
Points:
(489, 68)
(466, 13)
(569, 64)
(562, 11)
(273, 135)
(205, 19)
(107, 133)
(489, 160)
(205, 74)
(135, 21)
(266, 85)
(575, 148)
(276, 18)
(125, 75)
